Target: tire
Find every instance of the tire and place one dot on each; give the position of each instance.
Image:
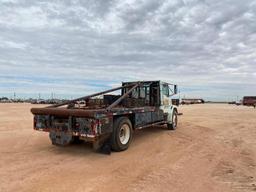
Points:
(173, 125)
(122, 134)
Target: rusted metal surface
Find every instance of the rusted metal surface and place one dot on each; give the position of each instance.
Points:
(122, 97)
(65, 112)
(53, 110)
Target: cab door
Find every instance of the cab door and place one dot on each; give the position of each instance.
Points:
(166, 102)
(165, 96)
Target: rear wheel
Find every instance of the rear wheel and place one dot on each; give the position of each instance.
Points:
(122, 134)
(173, 124)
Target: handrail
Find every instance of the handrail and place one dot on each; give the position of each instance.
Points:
(88, 96)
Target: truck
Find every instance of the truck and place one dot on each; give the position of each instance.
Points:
(107, 120)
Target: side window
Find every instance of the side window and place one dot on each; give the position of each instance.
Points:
(135, 93)
(147, 92)
(165, 90)
(142, 92)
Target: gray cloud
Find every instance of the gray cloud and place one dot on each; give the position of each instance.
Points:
(200, 44)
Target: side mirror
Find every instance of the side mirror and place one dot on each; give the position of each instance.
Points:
(175, 89)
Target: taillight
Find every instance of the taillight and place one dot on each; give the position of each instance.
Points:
(95, 125)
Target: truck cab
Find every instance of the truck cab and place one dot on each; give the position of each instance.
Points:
(155, 94)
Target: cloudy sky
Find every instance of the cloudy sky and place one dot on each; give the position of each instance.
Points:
(71, 48)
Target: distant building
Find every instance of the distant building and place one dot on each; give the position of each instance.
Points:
(4, 100)
(192, 101)
(249, 101)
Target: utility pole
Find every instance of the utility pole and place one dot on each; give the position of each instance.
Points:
(14, 96)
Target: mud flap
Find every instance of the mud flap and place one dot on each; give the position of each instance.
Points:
(103, 145)
(106, 148)
(60, 137)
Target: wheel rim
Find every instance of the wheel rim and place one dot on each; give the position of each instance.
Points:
(124, 134)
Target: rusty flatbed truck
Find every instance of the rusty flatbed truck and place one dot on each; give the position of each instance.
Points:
(111, 119)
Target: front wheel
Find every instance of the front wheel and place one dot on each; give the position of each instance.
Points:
(173, 124)
(122, 134)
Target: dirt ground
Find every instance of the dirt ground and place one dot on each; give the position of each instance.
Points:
(213, 149)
